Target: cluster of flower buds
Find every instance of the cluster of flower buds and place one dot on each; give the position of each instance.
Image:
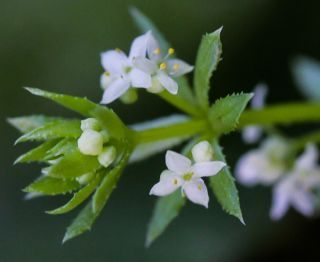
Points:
(94, 142)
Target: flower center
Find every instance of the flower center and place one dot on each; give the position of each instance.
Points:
(163, 66)
(188, 176)
(127, 69)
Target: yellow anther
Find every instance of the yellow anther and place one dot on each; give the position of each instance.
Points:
(176, 67)
(118, 50)
(175, 181)
(163, 66)
(171, 51)
(157, 51)
(106, 73)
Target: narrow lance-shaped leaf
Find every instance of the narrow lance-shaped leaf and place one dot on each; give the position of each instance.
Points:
(52, 186)
(53, 130)
(78, 197)
(63, 147)
(224, 114)
(37, 154)
(224, 187)
(208, 57)
(145, 25)
(73, 165)
(86, 108)
(26, 124)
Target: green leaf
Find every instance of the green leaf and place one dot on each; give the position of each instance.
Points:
(306, 73)
(63, 147)
(166, 209)
(208, 57)
(38, 153)
(86, 108)
(52, 130)
(78, 197)
(73, 164)
(108, 184)
(145, 24)
(224, 114)
(52, 186)
(224, 187)
(82, 223)
(26, 124)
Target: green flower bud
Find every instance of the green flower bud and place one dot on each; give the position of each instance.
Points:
(90, 123)
(156, 86)
(130, 96)
(84, 179)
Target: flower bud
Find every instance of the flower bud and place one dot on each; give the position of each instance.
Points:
(84, 179)
(156, 86)
(202, 152)
(90, 123)
(107, 156)
(106, 136)
(129, 97)
(90, 143)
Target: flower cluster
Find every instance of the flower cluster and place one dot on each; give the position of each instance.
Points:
(94, 142)
(181, 173)
(145, 67)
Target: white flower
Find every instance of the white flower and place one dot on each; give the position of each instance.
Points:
(90, 143)
(181, 173)
(251, 134)
(264, 165)
(120, 73)
(296, 187)
(161, 68)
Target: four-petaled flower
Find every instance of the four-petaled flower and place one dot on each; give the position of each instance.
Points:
(296, 187)
(181, 173)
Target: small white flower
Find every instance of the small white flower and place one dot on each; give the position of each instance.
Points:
(161, 68)
(252, 134)
(107, 156)
(90, 143)
(120, 73)
(202, 152)
(296, 187)
(181, 173)
(264, 165)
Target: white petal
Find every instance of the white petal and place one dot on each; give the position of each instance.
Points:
(106, 80)
(202, 152)
(196, 191)
(144, 64)
(153, 49)
(260, 93)
(169, 182)
(207, 168)
(308, 160)
(303, 202)
(115, 90)
(140, 79)
(114, 61)
(251, 134)
(168, 83)
(139, 46)
(177, 163)
(280, 202)
(178, 67)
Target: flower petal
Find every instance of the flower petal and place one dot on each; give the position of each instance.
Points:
(153, 49)
(207, 168)
(178, 67)
(303, 202)
(169, 182)
(177, 163)
(139, 46)
(308, 160)
(144, 64)
(168, 83)
(115, 90)
(196, 191)
(106, 80)
(260, 92)
(251, 134)
(114, 61)
(140, 79)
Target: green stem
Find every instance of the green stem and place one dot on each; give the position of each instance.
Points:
(281, 114)
(187, 128)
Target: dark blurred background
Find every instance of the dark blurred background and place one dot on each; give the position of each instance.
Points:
(55, 45)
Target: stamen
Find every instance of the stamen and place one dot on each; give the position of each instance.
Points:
(118, 50)
(157, 51)
(176, 67)
(171, 51)
(175, 181)
(163, 66)
(106, 73)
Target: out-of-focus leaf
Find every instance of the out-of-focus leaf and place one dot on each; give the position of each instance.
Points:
(224, 187)
(38, 153)
(85, 107)
(224, 114)
(52, 186)
(306, 73)
(52, 130)
(208, 57)
(26, 124)
(166, 209)
(73, 164)
(64, 146)
(145, 24)
(78, 197)
(146, 150)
